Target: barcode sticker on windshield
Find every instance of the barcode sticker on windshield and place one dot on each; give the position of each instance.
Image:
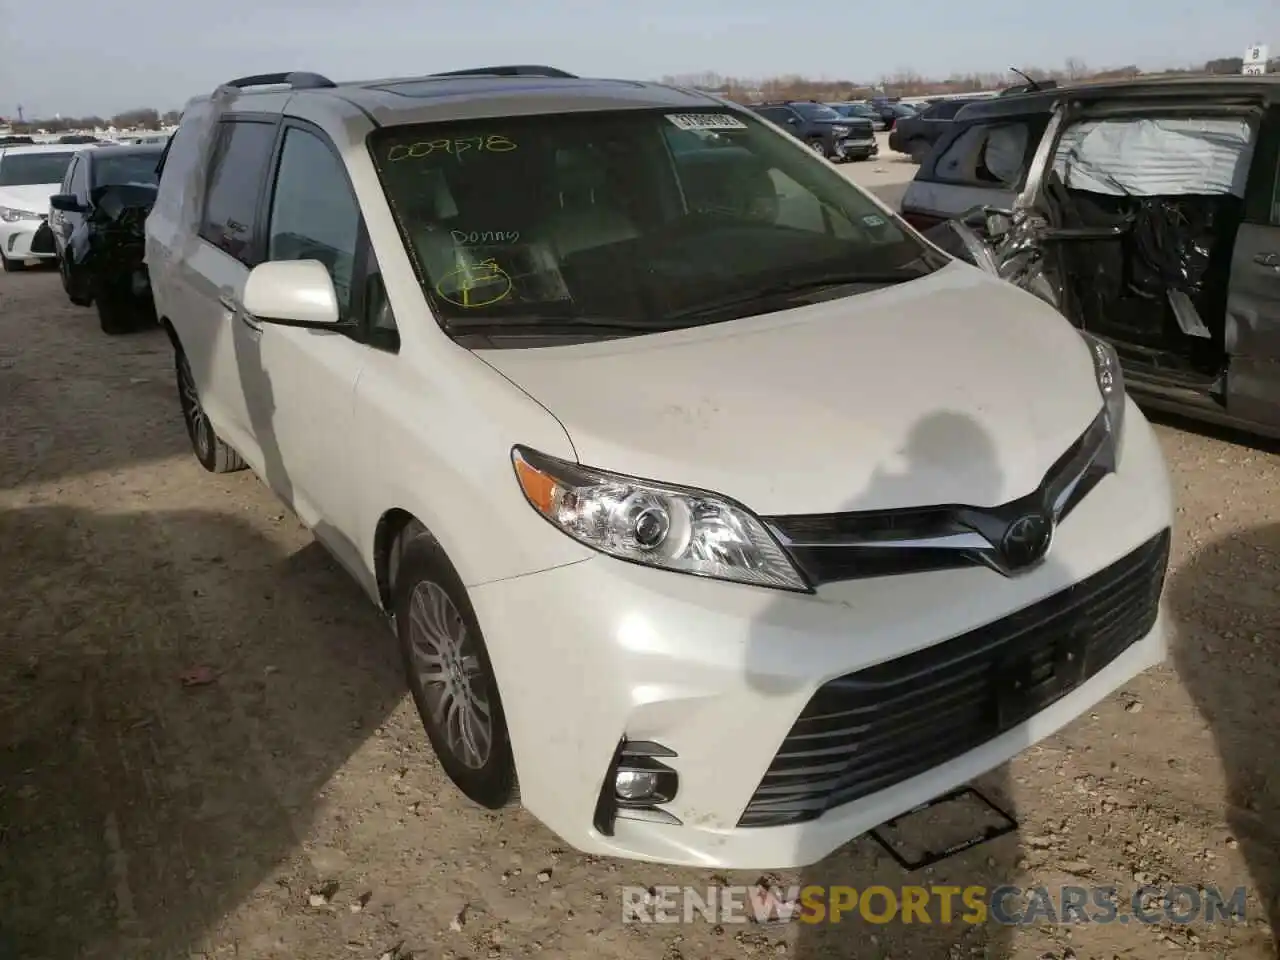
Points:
(706, 121)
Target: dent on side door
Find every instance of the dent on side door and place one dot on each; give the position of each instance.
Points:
(1253, 326)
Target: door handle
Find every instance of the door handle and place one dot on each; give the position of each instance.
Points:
(229, 303)
(1267, 260)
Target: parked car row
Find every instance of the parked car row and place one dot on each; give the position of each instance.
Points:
(1148, 212)
(828, 133)
(82, 206)
(915, 135)
(900, 595)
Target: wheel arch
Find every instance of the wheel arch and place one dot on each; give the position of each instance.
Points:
(388, 536)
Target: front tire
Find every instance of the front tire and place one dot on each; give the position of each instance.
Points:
(210, 450)
(75, 295)
(450, 675)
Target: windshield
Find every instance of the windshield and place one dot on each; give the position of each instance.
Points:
(25, 169)
(632, 217)
(815, 111)
(126, 168)
(854, 110)
(902, 110)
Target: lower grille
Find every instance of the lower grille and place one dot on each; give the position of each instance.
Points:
(880, 726)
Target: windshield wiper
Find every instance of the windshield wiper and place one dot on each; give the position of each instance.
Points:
(552, 326)
(793, 286)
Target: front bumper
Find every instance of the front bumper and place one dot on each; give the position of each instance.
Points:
(26, 240)
(851, 149)
(600, 650)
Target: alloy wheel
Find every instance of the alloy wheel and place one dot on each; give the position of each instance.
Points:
(450, 673)
(198, 427)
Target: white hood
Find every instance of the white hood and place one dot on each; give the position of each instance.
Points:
(31, 197)
(956, 388)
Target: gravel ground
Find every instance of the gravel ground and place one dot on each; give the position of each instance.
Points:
(206, 749)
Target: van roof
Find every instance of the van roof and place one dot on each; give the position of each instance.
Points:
(480, 92)
(1264, 88)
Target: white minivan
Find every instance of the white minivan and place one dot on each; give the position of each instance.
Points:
(708, 501)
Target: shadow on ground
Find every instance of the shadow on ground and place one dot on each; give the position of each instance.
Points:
(1227, 652)
(135, 810)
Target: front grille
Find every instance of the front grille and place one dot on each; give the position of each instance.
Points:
(829, 548)
(880, 726)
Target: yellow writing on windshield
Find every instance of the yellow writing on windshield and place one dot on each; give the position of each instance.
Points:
(454, 147)
(481, 285)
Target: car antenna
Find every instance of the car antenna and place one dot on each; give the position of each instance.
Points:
(1034, 85)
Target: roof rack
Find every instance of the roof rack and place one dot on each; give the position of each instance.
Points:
(296, 79)
(520, 70)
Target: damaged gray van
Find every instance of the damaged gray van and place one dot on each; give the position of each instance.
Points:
(1148, 213)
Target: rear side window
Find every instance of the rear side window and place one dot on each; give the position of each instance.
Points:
(989, 155)
(240, 159)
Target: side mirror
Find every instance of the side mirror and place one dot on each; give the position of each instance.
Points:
(66, 202)
(792, 120)
(292, 293)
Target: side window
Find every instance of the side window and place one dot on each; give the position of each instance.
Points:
(1273, 121)
(1275, 200)
(314, 214)
(80, 178)
(378, 315)
(240, 160)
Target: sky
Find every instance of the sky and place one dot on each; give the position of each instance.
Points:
(83, 57)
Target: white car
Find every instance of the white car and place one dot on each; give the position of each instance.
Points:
(29, 175)
(706, 498)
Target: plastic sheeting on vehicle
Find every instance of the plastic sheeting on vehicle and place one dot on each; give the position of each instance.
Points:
(1147, 157)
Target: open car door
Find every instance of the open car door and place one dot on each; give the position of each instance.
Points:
(1253, 299)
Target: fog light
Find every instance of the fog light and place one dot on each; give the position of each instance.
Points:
(636, 784)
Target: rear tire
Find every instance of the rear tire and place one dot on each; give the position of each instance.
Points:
(450, 675)
(919, 150)
(210, 450)
(11, 266)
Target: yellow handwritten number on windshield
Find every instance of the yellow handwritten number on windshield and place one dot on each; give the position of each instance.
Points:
(480, 286)
(456, 147)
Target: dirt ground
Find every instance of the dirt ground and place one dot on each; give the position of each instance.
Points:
(141, 817)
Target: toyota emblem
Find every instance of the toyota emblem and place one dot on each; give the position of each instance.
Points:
(1026, 541)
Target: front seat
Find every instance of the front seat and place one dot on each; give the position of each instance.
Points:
(586, 215)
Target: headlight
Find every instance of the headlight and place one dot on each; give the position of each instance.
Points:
(840, 131)
(13, 215)
(690, 531)
(1106, 366)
